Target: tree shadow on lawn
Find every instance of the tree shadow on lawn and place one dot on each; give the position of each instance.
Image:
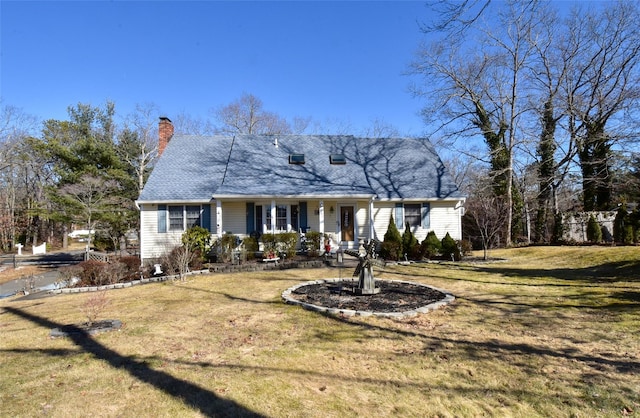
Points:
(231, 297)
(619, 271)
(207, 402)
(354, 379)
(497, 349)
(624, 297)
(593, 276)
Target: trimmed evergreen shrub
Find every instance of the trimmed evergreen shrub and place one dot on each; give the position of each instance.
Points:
(410, 245)
(288, 241)
(430, 246)
(450, 250)
(391, 248)
(594, 233)
(198, 239)
(313, 243)
(619, 224)
(558, 229)
(251, 245)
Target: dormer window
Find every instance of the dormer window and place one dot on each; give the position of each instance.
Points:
(296, 158)
(337, 159)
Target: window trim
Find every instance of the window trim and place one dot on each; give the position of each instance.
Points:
(337, 159)
(401, 218)
(296, 158)
(172, 209)
(413, 217)
(265, 226)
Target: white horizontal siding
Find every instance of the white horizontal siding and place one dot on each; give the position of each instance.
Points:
(443, 218)
(382, 212)
(154, 244)
(362, 219)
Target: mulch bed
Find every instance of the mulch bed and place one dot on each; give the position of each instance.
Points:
(86, 329)
(394, 296)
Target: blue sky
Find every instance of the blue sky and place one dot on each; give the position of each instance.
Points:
(326, 60)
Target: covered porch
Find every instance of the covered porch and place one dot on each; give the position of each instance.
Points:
(342, 220)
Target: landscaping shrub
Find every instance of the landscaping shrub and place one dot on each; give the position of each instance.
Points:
(314, 238)
(619, 224)
(251, 246)
(391, 248)
(450, 250)
(430, 246)
(67, 273)
(288, 241)
(594, 233)
(93, 306)
(133, 268)
(222, 248)
(111, 273)
(178, 260)
(558, 229)
(91, 273)
(410, 245)
(198, 239)
(466, 247)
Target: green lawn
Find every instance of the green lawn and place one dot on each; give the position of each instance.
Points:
(547, 331)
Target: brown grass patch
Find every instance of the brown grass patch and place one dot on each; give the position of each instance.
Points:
(531, 336)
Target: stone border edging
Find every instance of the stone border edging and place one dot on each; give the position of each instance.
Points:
(216, 269)
(286, 296)
(123, 285)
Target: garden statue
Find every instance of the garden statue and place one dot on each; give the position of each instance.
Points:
(366, 282)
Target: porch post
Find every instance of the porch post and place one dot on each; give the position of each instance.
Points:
(321, 222)
(273, 216)
(219, 218)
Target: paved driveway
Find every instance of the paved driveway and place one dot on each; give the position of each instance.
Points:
(43, 281)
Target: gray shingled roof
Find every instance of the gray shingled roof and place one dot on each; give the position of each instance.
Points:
(197, 168)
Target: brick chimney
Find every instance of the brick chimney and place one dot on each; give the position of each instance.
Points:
(165, 132)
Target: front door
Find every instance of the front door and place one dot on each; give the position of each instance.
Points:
(346, 223)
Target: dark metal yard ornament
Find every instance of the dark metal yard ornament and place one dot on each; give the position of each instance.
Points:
(366, 282)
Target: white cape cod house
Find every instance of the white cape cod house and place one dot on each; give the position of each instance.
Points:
(343, 186)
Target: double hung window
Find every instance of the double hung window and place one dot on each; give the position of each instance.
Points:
(286, 218)
(416, 214)
(180, 217)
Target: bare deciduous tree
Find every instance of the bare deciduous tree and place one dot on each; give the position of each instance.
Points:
(138, 142)
(487, 213)
(247, 116)
(602, 92)
(484, 92)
